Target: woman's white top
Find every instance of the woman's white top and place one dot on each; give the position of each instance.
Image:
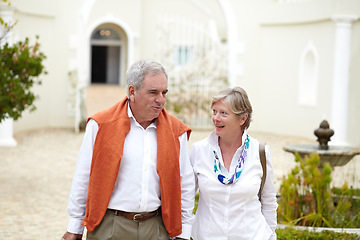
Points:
(233, 212)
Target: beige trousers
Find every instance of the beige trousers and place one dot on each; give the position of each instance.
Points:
(114, 227)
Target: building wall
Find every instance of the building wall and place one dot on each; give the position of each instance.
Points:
(274, 41)
(279, 77)
(269, 42)
(42, 18)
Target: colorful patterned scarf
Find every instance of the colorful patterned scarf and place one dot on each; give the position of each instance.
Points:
(238, 169)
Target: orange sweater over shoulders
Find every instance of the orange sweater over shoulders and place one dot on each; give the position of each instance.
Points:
(114, 125)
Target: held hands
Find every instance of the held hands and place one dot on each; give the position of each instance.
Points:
(71, 236)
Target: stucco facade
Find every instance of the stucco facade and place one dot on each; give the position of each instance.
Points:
(296, 59)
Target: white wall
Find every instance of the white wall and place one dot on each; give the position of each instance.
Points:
(271, 39)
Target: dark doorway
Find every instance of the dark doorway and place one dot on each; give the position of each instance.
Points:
(105, 64)
(98, 64)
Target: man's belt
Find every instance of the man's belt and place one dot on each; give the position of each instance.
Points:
(136, 217)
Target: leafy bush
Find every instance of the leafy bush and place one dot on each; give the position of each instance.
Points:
(290, 233)
(306, 198)
(21, 64)
(351, 191)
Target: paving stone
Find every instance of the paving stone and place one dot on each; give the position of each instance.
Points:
(36, 175)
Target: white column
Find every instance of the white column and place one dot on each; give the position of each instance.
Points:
(6, 126)
(231, 40)
(340, 92)
(6, 133)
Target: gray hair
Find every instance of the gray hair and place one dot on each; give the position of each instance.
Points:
(237, 100)
(137, 71)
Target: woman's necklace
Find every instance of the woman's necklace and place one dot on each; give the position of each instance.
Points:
(238, 169)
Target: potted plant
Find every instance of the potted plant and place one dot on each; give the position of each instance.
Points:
(20, 67)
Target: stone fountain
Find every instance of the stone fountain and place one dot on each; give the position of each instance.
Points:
(334, 155)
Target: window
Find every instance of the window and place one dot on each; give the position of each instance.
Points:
(183, 55)
(105, 34)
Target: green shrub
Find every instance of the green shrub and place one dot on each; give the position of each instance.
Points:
(307, 200)
(290, 233)
(20, 67)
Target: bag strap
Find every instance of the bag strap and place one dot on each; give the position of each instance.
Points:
(263, 164)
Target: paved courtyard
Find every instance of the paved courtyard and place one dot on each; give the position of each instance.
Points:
(36, 175)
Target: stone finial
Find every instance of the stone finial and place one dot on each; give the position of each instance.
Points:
(323, 133)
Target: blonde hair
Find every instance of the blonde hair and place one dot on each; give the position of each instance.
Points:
(237, 100)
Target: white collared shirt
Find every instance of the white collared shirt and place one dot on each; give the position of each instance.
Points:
(137, 187)
(233, 212)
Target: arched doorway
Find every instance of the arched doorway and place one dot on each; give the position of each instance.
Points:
(108, 58)
(108, 42)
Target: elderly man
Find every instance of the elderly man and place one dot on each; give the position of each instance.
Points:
(133, 178)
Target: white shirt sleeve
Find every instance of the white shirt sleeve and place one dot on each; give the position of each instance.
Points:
(79, 189)
(187, 188)
(268, 196)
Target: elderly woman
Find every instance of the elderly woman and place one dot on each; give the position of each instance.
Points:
(228, 175)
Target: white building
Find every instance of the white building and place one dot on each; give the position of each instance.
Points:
(297, 59)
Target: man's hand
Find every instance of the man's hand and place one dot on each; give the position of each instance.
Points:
(71, 236)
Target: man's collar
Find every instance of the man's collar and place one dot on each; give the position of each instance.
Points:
(131, 116)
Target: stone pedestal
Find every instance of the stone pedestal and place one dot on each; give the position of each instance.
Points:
(6, 126)
(6, 133)
(336, 155)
